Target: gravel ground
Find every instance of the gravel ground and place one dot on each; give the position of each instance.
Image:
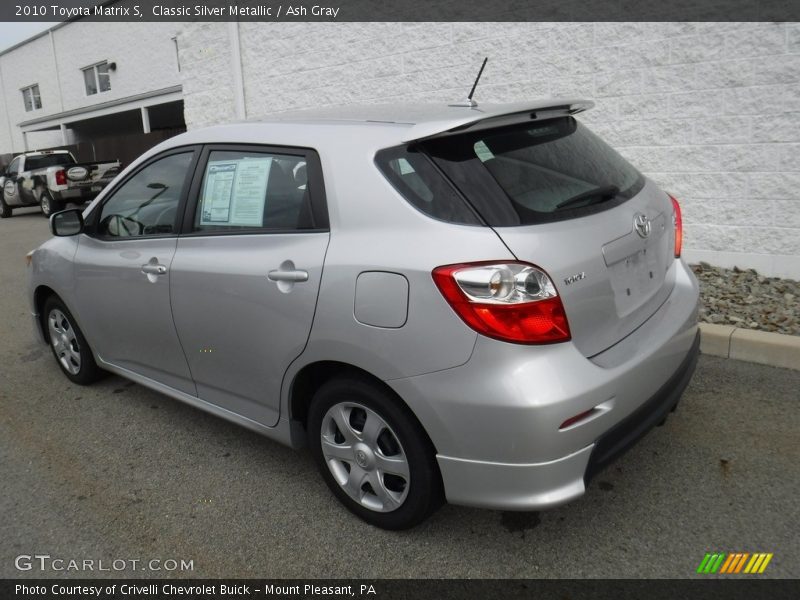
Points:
(747, 299)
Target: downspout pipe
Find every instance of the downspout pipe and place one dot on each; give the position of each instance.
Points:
(236, 69)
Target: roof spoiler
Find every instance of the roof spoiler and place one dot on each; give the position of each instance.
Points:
(495, 115)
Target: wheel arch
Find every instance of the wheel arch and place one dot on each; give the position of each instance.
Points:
(40, 296)
(88, 371)
(313, 375)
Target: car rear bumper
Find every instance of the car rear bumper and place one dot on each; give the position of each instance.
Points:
(545, 485)
(627, 432)
(496, 421)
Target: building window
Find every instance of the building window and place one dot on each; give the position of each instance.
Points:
(31, 97)
(96, 78)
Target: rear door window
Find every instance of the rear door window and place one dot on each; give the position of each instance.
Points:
(254, 190)
(537, 172)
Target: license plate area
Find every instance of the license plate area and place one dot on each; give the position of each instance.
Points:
(637, 267)
(635, 278)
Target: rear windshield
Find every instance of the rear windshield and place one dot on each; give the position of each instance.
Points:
(535, 172)
(33, 163)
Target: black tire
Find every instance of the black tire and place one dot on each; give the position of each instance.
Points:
(5, 209)
(424, 493)
(87, 371)
(48, 205)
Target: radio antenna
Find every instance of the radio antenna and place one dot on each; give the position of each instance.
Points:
(469, 102)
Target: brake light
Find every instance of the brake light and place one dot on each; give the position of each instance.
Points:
(509, 301)
(677, 222)
(61, 177)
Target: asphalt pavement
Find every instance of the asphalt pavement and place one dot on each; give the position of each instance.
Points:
(118, 472)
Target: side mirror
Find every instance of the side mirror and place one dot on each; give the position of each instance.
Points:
(67, 222)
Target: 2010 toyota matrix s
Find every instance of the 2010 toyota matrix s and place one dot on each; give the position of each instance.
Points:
(484, 304)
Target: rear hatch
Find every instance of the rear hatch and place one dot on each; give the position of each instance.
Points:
(610, 279)
(562, 199)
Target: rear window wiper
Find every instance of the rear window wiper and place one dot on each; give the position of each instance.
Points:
(596, 195)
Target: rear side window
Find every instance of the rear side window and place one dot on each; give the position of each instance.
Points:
(536, 172)
(417, 179)
(48, 160)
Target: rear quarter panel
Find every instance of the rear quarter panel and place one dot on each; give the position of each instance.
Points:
(373, 228)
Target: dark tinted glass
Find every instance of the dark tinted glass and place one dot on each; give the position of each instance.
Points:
(13, 167)
(417, 179)
(48, 160)
(536, 172)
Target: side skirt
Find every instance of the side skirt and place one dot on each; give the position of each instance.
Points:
(285, 432)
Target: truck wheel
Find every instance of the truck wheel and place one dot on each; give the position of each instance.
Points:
(49, 206)
(5, 209)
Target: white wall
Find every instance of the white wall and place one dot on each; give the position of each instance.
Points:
(144, 52)
(206, 75)
(709, 110)
(27, 65)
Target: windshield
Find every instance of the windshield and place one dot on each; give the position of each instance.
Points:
(537, 172)
(33, 163)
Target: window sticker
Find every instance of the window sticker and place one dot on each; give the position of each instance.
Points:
(482, 151)
(405, 167)
(235, 192)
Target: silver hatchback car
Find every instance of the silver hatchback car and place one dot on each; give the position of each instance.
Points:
(480, 304)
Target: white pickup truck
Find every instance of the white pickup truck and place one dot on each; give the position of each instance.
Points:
(50, 179)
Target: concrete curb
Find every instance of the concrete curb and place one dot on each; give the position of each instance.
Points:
(763, 347)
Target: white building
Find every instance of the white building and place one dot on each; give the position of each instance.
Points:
(82, 81)
(709, 110)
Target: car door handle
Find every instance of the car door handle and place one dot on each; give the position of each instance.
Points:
(151, 269)
(292, 276)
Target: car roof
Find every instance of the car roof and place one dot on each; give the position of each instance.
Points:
(372, 126)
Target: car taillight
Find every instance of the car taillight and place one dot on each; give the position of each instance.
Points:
(677, 222)
(61, 177)
(509, 301)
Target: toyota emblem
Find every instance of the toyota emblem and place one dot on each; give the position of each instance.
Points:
(642, 225)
